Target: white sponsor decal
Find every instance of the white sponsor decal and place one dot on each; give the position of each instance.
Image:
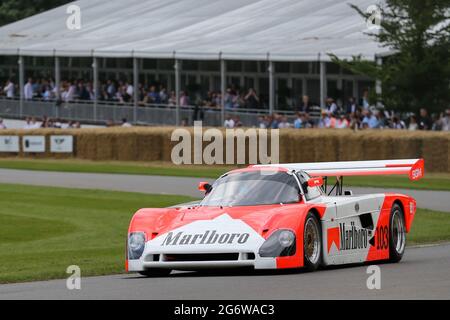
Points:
(33, 144)
(220, 234)
(61, 144)
(9, 144)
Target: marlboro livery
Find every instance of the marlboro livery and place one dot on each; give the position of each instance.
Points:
(277, 217)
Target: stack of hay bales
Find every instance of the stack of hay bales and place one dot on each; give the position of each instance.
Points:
(296, 146)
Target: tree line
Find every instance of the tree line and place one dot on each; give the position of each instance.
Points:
(14, 10)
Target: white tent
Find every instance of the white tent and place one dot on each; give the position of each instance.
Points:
(276, 30)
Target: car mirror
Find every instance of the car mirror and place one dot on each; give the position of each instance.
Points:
(205, 187)
(315, 182)
(348, 193)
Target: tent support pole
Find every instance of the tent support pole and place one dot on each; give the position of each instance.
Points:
(355, 90)
(57, 85)
(21, 84)
(271, 87)
(323, 83)
(177, 90)
(57, 78)
(135, 89)
(379, 89)
(95, 86)
(223, 80)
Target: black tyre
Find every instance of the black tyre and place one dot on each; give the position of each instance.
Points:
(312, 243)
(397, 234)
(154, 273)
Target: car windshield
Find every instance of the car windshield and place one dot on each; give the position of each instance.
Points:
(253, 188)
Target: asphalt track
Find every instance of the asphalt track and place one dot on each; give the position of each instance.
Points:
(434, 200)
(424, 272)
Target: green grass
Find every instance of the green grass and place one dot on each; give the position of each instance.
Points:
(433, 181)
(133, 168)
(45, 230)
(430, 227)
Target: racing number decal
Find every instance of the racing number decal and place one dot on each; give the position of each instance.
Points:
(382, 238)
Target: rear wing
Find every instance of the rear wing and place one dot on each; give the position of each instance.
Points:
(414, 169)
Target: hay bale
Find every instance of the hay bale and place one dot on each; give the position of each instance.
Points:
(350, 147)
(435, 152)
(106, 145)
(301, 145)
(86, 146)
(127, 146)
(408, 146)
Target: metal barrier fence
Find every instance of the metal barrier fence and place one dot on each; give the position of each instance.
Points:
(145, 115)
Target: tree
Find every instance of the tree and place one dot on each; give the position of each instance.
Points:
(417, 74)
(14, 10)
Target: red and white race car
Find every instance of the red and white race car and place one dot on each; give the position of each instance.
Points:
(277, 217)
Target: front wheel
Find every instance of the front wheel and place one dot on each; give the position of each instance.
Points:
(154, 273)
(397, 234)
(312, 243)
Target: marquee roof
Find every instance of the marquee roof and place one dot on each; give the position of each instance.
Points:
(281, 30)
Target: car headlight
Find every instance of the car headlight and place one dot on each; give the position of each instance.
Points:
(136, 245)
(280, 244)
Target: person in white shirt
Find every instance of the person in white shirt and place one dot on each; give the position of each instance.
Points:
(413, 125)
(130, 90)
(70, 95)
(9, 89)
(28, 90)
(126, 124)
(284, 124)
(27, 124)
(2, 125)
(34, 124)
(445, 119)
(332, 107)
(229, 123)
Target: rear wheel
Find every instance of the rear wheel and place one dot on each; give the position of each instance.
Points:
(397, 233)
(312, 243)
(153, 273)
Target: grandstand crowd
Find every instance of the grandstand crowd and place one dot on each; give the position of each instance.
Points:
(352, 114)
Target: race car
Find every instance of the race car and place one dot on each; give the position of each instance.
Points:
(281, 216)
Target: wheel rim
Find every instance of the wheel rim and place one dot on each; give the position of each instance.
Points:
(398, 232)
(312, 241)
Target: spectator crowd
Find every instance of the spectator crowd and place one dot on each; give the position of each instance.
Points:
(353, 114)
(122, 92)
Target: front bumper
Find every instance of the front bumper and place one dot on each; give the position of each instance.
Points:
(193, 261)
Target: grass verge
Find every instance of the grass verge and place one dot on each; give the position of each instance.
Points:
(429, 227)
(45, 230)
(432, 181)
